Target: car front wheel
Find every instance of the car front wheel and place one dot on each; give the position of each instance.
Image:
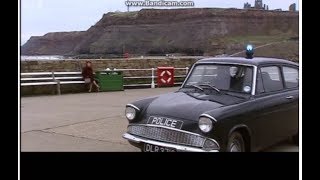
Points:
(236, 143)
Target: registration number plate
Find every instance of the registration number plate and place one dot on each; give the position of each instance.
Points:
(155, 148)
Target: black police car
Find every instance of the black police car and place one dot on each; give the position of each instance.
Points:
(231, 104)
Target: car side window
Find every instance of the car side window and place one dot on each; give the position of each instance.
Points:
(271, 78)
(291, 77)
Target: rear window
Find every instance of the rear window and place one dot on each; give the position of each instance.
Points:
(291, 77)
(271, 78)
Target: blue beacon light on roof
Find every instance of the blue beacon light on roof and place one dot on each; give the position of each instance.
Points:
(249, 51)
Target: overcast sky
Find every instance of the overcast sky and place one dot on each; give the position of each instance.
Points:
(39, 17)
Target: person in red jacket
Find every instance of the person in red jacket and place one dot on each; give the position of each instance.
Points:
(88, 76)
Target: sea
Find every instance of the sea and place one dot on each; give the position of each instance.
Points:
(42, 57)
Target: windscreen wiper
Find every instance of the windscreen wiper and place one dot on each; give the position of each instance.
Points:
(211, 86)
(195, 86)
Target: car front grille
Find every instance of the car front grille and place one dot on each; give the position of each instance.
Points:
(167, 135)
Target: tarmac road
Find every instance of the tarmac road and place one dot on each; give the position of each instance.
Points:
(86, 122)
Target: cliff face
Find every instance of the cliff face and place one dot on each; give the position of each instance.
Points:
(58, 43)
(152, 31)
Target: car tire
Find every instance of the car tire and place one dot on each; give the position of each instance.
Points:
(235, 143)
(295, 139)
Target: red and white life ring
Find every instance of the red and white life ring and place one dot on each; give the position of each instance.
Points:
(162, 79)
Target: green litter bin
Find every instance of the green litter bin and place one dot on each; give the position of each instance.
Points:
(110, 80)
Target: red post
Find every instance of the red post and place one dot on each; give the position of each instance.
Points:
(126, 55)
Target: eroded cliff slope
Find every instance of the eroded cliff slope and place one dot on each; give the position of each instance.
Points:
(187, 31)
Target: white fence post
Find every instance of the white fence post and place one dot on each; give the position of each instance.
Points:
(152, 77)
(187, 70)
(58, 83)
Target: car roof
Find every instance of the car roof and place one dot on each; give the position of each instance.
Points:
(241, 60)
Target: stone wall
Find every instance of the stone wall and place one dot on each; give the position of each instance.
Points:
(99, 64)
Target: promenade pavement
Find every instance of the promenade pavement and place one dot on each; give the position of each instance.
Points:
(86, 122)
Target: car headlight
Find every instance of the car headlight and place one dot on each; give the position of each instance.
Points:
(205, 124)
(130, 113)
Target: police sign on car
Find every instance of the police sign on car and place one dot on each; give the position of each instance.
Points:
(163, 121)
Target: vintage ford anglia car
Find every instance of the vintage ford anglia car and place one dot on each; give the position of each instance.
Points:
(231, 104)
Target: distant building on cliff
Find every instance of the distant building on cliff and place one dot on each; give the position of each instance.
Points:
(258, 4)
(246, 5)
(293, 7)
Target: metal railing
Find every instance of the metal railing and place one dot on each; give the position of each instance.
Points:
(153, 77)
(59, 78)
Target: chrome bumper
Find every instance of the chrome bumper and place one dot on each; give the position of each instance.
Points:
(136, 139)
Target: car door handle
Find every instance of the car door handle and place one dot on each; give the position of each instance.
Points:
(289, 97)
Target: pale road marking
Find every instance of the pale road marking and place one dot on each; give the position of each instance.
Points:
(52, 142)
(69, 124)
(52, 132)
(259, 47)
